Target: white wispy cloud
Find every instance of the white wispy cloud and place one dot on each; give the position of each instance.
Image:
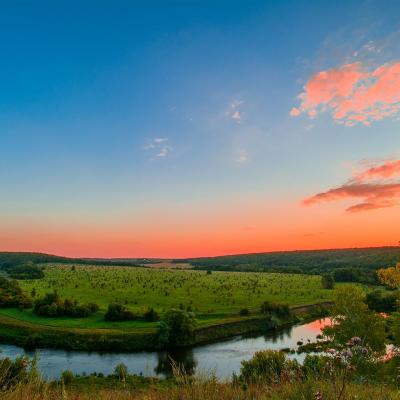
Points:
(234, 111)
(242, 157)
(160, 147)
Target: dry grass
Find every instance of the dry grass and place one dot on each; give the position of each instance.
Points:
(202, 389)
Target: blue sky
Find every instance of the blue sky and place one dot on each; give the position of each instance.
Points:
(111, 109)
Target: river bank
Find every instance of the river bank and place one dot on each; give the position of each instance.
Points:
(222, 358)
(31, 336)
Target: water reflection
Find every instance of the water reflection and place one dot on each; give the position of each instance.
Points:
(222, 358)
(182, 359)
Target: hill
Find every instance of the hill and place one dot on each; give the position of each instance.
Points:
(10, 259)
(366, 260)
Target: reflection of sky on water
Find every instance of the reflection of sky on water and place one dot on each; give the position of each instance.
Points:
(223, 357)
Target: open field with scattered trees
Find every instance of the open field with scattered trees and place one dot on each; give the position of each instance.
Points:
(201, 292)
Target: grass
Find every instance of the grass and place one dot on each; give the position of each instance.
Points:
(215, 295)
(199, 389)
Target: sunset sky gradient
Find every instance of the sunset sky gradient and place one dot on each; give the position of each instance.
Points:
(197, 128)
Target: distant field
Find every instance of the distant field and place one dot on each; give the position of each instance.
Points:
(212, 297)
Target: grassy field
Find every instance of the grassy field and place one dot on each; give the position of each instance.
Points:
(213, 297)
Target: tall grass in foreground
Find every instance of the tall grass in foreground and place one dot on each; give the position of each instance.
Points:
(204, 390)
(31, 386)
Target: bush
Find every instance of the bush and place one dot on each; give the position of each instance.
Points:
(32, 341)
(276, 309)
(176, 328)
(16, 372)
(327, 281)
(150, 315)
(51, 305)
(67, 377)
(118, 312)
(11, 295)
(121, 371)
(26, 271)
(244, 311)
(379, 301)
(267, 367)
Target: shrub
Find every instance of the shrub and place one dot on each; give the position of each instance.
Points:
(32, 341)
(151, 315)
(379, 301)
(327, 281)
(276, 309)
(67, 377)
(118, 312)
(51, 305)
(121, 371)
(266, 366)
(16, 372)
(26, 271)
(244, 311)
(11, 295)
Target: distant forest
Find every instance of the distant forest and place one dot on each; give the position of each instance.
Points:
(357, 264)
(346, 265)
(11, 259)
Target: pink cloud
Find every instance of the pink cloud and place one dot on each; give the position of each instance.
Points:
(352, 93)
(294, 112)
(387, 170)
(373, 194)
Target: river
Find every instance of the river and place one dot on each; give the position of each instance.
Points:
(222, 358)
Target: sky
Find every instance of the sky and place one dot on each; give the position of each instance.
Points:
(198, 128)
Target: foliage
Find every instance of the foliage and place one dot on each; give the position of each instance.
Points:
(176, 328)
(51, 305)
(347, 274)
(9, 260)
(26, 271)
(67, 377)
(15, 372)
(151, 315)
(363, 262)
(11, 295)
(118, 312)
(351, 317)
(390, 276)
(381, 301)
(327, 281)
(276, 309)
(267, 366)
(244, 311)
(121, 371)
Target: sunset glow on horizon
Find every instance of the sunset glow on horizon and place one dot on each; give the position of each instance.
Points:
(199, 128)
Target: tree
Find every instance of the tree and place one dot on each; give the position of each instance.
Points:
(150, 315)
(381, 301)
(327, 281)
(118, 312)
(176, 328)
(352, 318)
(390, 276)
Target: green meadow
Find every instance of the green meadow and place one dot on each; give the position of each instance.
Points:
(212, 296)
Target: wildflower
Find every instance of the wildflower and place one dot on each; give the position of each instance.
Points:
(347, 353)
(318, 395)
(356, 340)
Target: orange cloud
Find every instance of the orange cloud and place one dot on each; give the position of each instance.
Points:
(387, 170)
(352, 94)
(375, 194)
